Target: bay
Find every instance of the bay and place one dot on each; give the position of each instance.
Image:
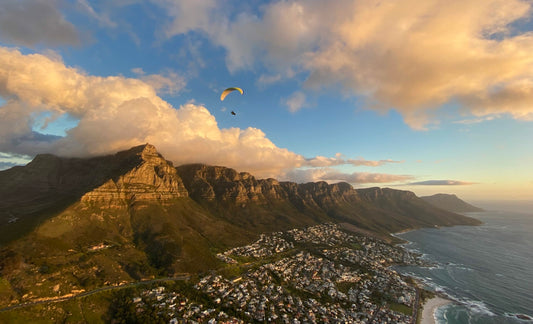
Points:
(487, 270)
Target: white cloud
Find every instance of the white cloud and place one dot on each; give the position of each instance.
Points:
(408, 55)
(9, 160)
(296, 101)
(168, 82)
(475, 120)
(102, 18)
(265, 80)
(116, 113)
(188, 15)
(32, 22)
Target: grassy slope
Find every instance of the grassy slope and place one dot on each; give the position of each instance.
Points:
(140, 241)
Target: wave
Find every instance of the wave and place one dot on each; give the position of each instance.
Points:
(458, 266)
(429, 283)
(440, 314)
(397, 234)
(435, 266)
(476, 306)
(473, 306)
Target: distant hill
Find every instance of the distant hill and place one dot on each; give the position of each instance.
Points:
(68, 224)
(450, 203)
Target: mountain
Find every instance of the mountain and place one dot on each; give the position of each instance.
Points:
(450, 203)
(49, 184)
(72, 224)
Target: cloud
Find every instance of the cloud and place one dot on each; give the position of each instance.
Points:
(441, 183)
(332, 176)
(103, 18)
(30, 22)
(188, 15)
(265, 80)
(475, 120)
(116, 113)
(7, 165)
(169, 82)
(404, 55)
(361, 161)
(10, 160)
(296, 101)
(322, 161)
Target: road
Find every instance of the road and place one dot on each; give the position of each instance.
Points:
(416, 306)
(91, 292)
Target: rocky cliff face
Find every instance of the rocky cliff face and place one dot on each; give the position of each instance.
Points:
(151, 177)
(376, 209)
(215, 183)
(326, 195)
(140, 173)
(50, 184)
(219, 183)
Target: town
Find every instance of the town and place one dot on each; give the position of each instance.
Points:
(319, 274)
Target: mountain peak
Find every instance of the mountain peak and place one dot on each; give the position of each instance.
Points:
(147, 176)
(144, 151)
(451, 203)
(149, 153)
(148, 149)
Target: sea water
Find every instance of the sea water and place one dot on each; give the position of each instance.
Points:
(487, 270)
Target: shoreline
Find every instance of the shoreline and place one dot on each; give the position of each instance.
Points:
(430, 307)
(407, 230)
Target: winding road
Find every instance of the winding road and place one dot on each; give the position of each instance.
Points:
(91, 292)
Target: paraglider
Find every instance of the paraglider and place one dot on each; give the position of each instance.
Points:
(229, 90)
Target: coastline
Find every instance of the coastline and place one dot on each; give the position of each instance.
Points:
(429, 308)
(407, 230)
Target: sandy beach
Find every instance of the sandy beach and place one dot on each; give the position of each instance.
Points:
(429, 307)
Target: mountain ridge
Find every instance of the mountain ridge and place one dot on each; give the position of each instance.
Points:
(142, 174)
(79, 223)
(451, 202)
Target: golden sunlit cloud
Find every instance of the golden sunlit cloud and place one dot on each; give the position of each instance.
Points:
(170, 82)
(116, 113)
(332, 176)
(441, 183)
(322, 161)
(404, 55)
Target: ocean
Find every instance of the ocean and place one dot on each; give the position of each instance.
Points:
(487, 270)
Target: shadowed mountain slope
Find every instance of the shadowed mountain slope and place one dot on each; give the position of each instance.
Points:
(49, 184)
(235, 195)
(451, 203)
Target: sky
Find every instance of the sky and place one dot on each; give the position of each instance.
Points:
(430, 96)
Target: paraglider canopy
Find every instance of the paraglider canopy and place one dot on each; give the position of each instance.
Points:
(228, 90)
